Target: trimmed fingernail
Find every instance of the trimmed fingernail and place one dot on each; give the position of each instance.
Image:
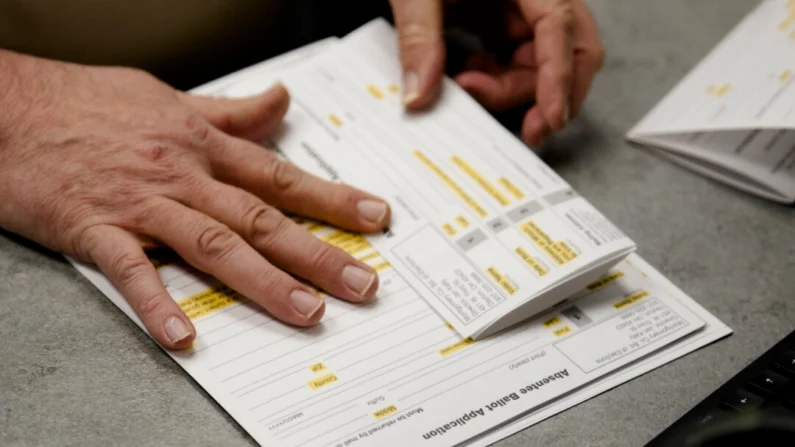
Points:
(305, 303)
(177, 330)
(411, 87)
(358, 279)
(372, 210)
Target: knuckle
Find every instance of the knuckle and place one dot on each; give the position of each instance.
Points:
(156, 153)
(414, 37)
(257, 219)
(565, 13)
(342, 197)
(197, 129)
(129, 268)
(268, 284)
(285, 175)
(268, 225)
(150, 305)
(325, 257)
(84, 243)
(215, 241)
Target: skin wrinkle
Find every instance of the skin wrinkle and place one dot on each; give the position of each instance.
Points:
(109, 162)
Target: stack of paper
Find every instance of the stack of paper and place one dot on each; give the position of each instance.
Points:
(733, 117)
(483, 232)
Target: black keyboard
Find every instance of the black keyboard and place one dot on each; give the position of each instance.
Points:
(756, 405)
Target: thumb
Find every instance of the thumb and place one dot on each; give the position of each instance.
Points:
(252, 118)
(422, 52)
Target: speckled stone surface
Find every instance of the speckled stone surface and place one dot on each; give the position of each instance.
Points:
(74, 371)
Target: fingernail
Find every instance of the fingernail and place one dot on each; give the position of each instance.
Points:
(372, 210)
(305, 303)
(411, 87)
(176, 330)
(358, 279)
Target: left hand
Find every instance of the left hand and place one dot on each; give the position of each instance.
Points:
(555, 53)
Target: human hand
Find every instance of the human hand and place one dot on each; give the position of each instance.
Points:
(101, 163)
(553, 54)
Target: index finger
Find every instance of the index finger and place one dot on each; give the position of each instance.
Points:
(553, 25)
(422, 52)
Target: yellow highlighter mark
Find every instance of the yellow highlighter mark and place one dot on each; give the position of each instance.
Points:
(384, 412)
(455, 347)
(348, 242)
(536, 234)
(785, 76)
(449, 229)
(532, 262)
(335, 120)
(501, 280)
(719, 91)
(317, 367)
(605, 280)
(209, 301)
(787, 22)
(632, 298)
(554, 321)
(480, 180)
(369, 256)
(462, 221)
(315, 227)
(381, 266)
(320, 382)
(558, 251)
(563, 250)
(393, 88)
(511, 188)
(449, 326)
(375, 91)
(562, 331)
(463, 195)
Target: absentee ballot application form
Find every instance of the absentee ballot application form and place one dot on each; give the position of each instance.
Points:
(486, 241)
(396, 370)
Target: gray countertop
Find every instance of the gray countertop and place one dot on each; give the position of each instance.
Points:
(75, 371)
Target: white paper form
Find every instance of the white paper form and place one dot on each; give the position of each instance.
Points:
(733, 116)
(391, 372)
(713, 330)
(487, 244)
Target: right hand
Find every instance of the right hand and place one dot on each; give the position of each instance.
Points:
(101, 163)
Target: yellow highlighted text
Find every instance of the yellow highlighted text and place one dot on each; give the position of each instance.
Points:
(635, 297)
(317, 367)
(209, 301)
(449, 229)
(552, 322)
(480, 180)
(605, 280)
(384, 412)
(320, 382)
(375, 91)
(511, 188)
(455, 347)
(562, 331)
(335, 120)
(501, 280)
(463, 195)
(532, 262)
